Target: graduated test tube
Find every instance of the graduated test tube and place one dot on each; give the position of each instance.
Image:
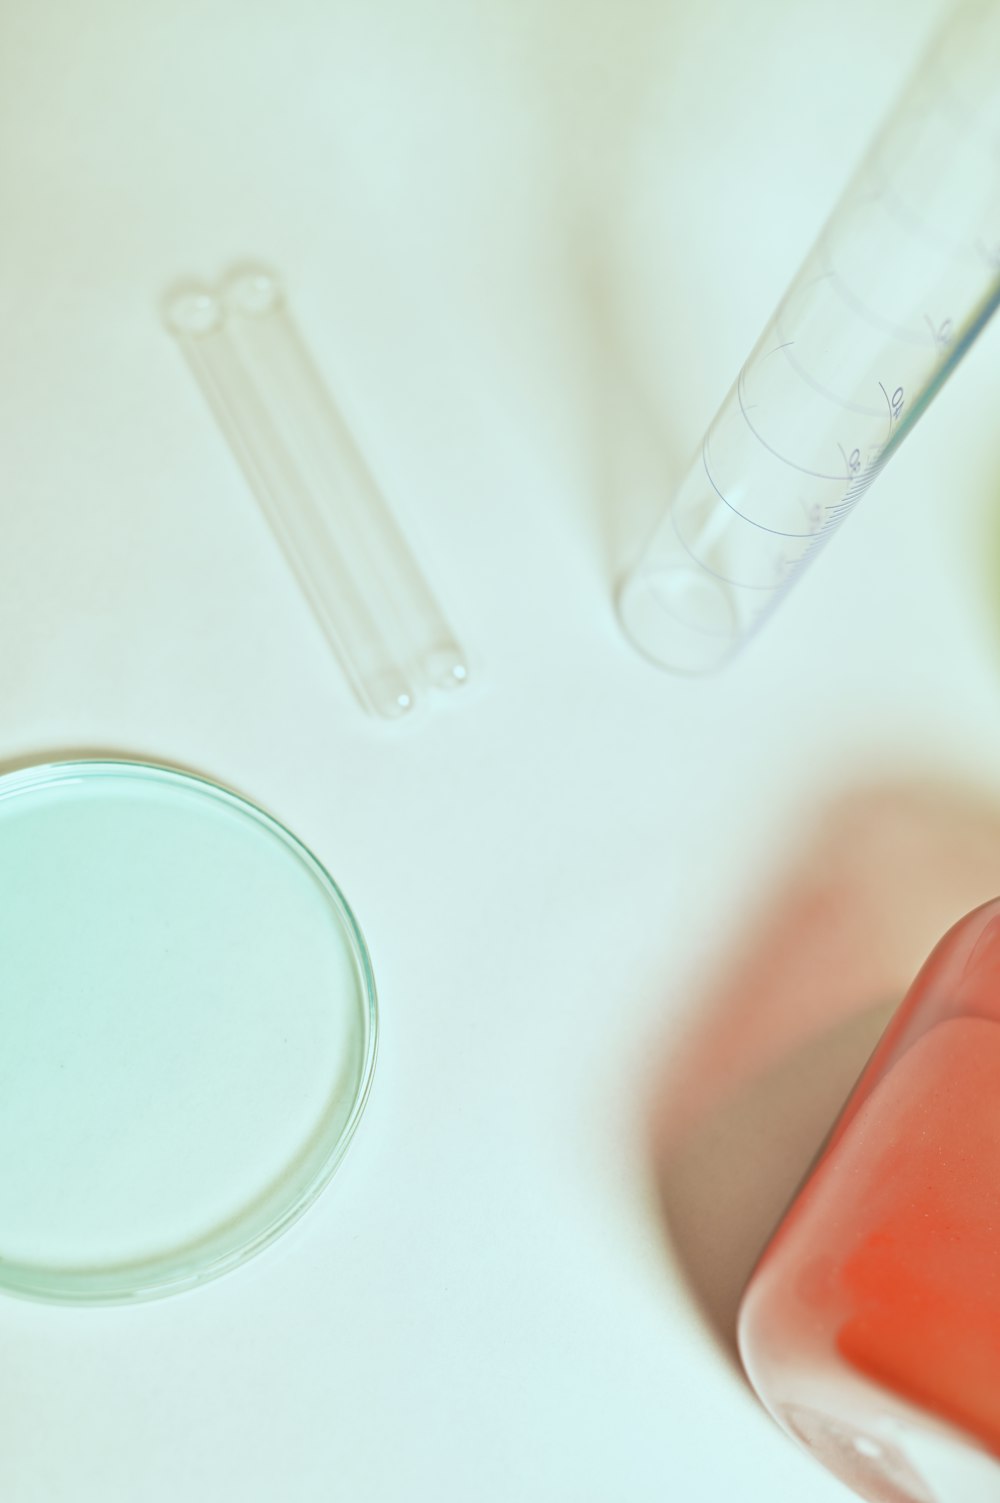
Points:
(902, 279)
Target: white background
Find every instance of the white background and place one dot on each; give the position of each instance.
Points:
(530, 244)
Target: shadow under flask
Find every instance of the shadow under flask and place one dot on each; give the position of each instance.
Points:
(871, 1325)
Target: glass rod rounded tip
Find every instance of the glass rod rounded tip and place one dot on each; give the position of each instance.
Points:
(192, 310)
(254, 290)
(389, 695)
(445, 667)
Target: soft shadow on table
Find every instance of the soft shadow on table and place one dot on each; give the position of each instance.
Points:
(602, 78)
(777, 1040)
(636, 452)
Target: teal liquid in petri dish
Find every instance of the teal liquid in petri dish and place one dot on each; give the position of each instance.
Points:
(187, 1030)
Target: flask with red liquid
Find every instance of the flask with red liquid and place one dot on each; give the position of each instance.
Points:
(871, 1325)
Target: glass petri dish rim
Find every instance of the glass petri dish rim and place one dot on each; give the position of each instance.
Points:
(94, 1289)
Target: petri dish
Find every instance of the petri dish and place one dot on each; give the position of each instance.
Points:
(187, 1030)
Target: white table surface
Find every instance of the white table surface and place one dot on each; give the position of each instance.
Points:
(530, 244)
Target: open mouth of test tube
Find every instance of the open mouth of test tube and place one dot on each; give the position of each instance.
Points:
(348, 553)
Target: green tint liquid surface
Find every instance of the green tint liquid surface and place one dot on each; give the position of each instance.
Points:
(186, 1030)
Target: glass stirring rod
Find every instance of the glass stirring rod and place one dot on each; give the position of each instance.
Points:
(275, 356)
(196, 317)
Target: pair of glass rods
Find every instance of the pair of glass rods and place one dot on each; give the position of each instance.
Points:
(354, 565)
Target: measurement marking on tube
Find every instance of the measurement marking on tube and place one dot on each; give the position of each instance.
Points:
(831, 396)
(802, 469)
(942, 333)
(852, 461)
(761, 527)
(831, 513)
(854, 492)
(894, 403)
(851, 497)
(834, 516)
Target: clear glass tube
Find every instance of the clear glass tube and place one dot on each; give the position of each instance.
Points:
(904, 276)
(350, 558)
(273, 351)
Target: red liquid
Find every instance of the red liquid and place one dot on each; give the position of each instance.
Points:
(880, 1292)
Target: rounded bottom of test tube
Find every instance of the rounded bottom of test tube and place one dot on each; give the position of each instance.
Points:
(444, 667)
(680, 619)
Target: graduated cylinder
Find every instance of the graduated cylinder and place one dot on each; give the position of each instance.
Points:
(903, 277)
